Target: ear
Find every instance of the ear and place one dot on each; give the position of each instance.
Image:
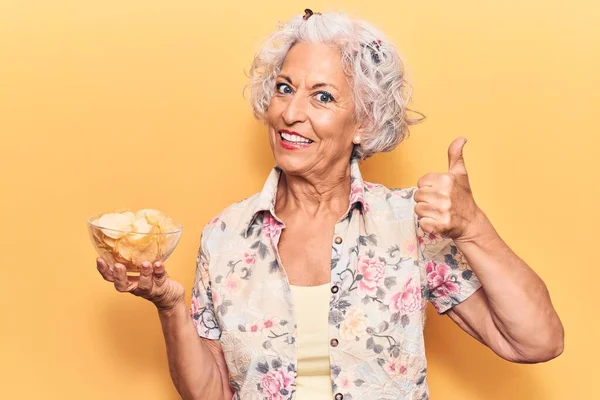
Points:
(359, 132)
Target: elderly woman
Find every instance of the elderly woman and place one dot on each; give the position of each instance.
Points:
(316, 287)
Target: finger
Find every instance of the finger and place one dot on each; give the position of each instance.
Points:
(428, 180)
(427, 194)
(160, 273)
(425, 210)
(104, 269)
(120, 278)
(456, 161)
(145, 282)
(428, 225)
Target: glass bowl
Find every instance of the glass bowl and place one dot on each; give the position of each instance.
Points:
(131, 248)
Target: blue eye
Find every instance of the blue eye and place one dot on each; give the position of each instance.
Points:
(283, 88)
(325, 97)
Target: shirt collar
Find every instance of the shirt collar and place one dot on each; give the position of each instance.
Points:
(268, 195)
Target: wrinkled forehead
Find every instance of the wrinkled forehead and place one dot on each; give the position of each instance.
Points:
(309, 63)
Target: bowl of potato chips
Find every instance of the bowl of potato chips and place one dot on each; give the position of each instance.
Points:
(130, 238)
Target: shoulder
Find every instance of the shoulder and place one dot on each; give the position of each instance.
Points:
(397, 201)
(232, 220)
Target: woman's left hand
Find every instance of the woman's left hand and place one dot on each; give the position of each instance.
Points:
(445, 204)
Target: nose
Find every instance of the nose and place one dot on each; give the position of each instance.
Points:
(295, 110)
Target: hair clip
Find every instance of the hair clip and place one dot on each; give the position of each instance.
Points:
(309, 13)
(374, 47)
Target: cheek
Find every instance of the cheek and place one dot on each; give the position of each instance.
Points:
(333, 126)
(271, 117)
(327, 125)
(270, 111)
(274, 109)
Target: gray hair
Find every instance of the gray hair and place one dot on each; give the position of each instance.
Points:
(376, 71)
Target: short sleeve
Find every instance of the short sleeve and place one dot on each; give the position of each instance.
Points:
(202, 308)
(450, 279)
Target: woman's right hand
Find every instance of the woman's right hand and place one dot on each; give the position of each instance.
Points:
(153, 283)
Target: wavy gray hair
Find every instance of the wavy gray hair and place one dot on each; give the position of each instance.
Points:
(374, 67)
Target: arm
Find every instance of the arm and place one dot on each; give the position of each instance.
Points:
(512, 313)
(197, 365)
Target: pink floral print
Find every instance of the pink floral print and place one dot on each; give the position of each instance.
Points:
(249, 258)
(394, 367)
(384, 271)
(439, 279)
(254, 328)
(406, 301)
(276, 382)
(232, 283)
(373, 272)
(271, 227)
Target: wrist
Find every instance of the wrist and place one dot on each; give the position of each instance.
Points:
(479, 229)
(172, 308)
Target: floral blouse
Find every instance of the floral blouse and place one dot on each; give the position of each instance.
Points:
(384, 270)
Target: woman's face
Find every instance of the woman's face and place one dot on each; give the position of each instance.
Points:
(311, 115)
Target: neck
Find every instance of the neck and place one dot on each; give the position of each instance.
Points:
(314, 194)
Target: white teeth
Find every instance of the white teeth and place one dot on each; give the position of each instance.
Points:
(294, 138)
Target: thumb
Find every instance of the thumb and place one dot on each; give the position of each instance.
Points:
(456, 161)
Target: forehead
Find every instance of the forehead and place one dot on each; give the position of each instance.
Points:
(314, 63)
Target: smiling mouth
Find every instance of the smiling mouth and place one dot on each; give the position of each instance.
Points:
(294, 138)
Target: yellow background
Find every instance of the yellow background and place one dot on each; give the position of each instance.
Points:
(108, 104)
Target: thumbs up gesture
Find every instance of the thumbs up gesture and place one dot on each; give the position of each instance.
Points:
(445, 204)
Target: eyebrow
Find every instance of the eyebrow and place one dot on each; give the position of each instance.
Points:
(315, 86)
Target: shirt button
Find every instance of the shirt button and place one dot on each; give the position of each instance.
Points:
(338, 240)
(334, 289)
(338, 396)
(333, 342)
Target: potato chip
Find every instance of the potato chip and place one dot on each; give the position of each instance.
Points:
(167, 244)
(166, 224)
(116, 224)
(149, 253)
(132, 238)
(110, 242)
(140, 230)
(109, 257)
(124, 249)
(118, 258)
(150, 215)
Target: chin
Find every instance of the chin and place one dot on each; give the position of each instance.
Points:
(292, 164)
